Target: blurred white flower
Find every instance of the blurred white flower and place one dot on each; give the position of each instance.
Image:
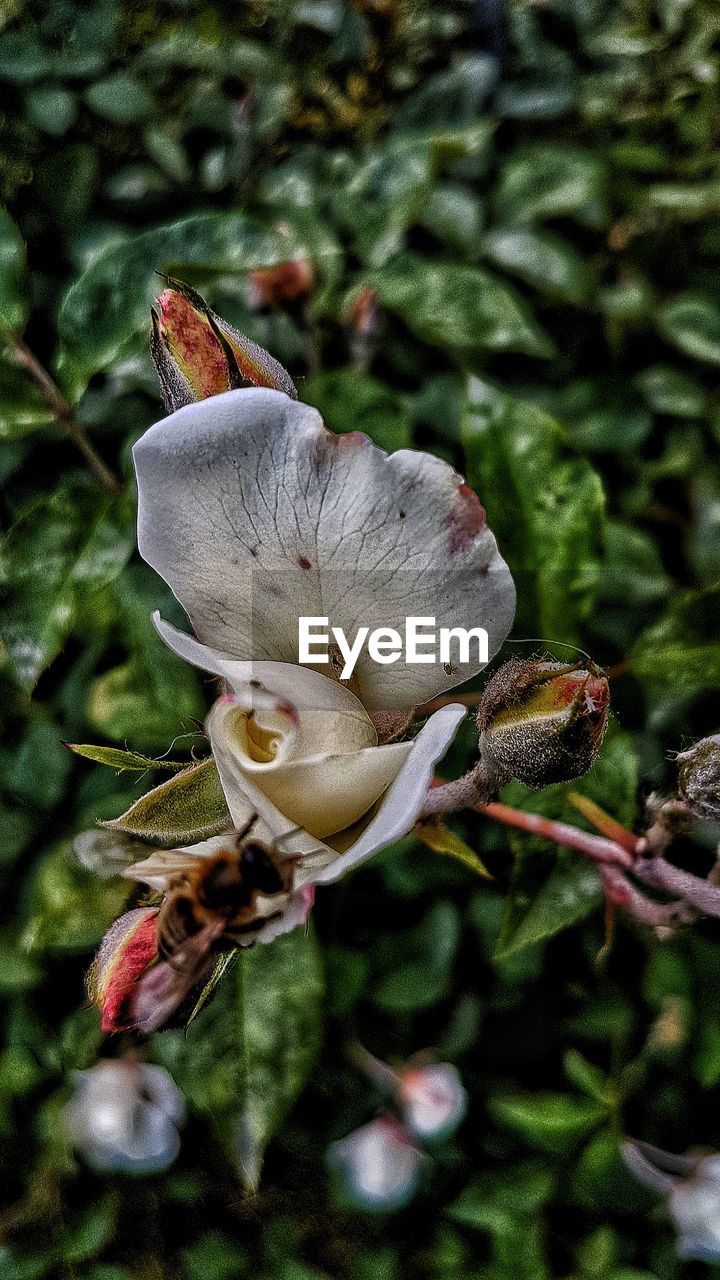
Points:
(256, 515)
(379, 1164)
(123, 1117)
(432, 1099)
(691, 1187)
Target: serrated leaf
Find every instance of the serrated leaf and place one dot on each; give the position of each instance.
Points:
(544, 504)
(553, 888)
(453, 306)
(187, 808)
(74, 543)
(553, 1122)
(123, 761)
(691, 322)
(682, 649)
(246, 1059)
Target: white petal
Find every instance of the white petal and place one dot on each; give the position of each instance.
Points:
(299, 685)
(433, 1100)
(255, 516)
(403, 801)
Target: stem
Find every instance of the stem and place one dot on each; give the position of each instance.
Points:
(598, 848)
(658, 915)
(23, 356)
(702, 895)
(604, 822)
(470, 791)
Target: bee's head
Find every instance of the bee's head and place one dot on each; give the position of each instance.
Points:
(259, 869)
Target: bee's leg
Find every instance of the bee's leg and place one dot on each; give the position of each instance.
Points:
(245, 831)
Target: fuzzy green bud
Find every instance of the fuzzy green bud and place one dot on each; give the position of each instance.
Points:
(699, 778)
(543, 722)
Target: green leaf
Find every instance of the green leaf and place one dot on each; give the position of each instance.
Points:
(14, 305)
(549, 180)
(74, 543)
(553, 1122)
(352, 401)
(672, 391)
(148, 698)
(110, 303)
(123, 760)
(246, 1058)
(119, 98)
(423, 975)
(450, 305)
(682, 649)
(553, 888)
(544, 504)
(70, 909)
(187, 808)
(541, 259)
(691, 323)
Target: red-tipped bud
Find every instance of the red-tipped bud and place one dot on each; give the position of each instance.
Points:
(126, 951)
(543, 722)
(289, 284)
(197, 354)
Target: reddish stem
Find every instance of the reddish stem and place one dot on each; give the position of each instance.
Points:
(598, 848)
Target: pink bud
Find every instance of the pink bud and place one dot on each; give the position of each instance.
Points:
(287, 284)
(125, 953)
(432, 1099)
(379, 1164)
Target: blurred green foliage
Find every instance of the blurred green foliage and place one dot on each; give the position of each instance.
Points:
(533, 194)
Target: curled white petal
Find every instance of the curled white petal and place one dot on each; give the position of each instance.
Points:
(256, 516)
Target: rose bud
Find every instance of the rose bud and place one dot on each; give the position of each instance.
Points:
(542, 722)
(379, 1164)
(289, 284)
(197, 355)
(123, 1117)
(125, 953)
(432, 1099)
(699, 778)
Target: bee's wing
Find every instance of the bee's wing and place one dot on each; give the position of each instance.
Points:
(107, 853)
(164, 987)
(162, 866)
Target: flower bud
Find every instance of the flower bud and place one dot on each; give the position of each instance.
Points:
(542, 722)
(123, 1117)
(127, 949)
(196, 354)
(289, 284)
(690, 1185)
(432, 1099)
(699, 778)
(379, 1164)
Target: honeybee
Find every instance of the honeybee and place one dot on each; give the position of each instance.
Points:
(211, 904)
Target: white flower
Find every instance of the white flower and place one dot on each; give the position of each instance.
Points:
(255, 515)
(691, 1187)
(432, 1099)
(379, 1164)
(124, 1116)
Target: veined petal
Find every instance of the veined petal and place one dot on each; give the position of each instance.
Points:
(255, 516)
